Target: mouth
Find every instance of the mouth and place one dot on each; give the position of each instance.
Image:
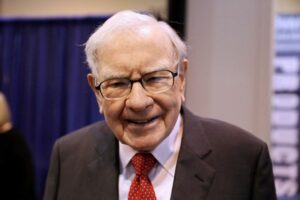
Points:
(142, 122)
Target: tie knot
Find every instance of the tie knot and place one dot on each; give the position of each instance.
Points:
(143, 163)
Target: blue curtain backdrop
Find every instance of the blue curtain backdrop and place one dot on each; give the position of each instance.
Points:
(43, 75)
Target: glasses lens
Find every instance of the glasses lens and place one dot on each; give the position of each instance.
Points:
(154, 82)
(158, 81)
(115, 88)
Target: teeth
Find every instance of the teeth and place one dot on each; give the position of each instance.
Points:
(142, 121)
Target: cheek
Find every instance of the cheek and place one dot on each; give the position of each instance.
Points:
(176, 98)
(112, 111)
(174, 107)
(99, 102)
(182, 95)
(170, 104)
(179, 90)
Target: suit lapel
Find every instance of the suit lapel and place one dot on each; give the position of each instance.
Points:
(104, 169)
(193, 174)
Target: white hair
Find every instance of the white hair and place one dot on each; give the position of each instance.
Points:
(127, 20)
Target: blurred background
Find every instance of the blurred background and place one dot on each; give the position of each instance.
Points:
(244, 69)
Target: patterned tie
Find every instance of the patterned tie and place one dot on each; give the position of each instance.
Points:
(141, 187)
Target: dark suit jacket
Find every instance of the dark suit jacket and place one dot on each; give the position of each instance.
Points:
(217, 161)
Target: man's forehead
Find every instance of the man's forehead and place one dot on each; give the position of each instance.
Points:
(124, 42)
(147, 32)
(139, 50)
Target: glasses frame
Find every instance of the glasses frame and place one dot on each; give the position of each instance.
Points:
(140, 80)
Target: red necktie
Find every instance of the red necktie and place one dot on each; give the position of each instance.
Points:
(141, 187)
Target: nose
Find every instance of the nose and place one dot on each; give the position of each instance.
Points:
(138, 100)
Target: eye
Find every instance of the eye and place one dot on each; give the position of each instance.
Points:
(116, 83)
(155, 79)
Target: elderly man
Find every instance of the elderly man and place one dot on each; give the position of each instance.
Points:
(150, 146)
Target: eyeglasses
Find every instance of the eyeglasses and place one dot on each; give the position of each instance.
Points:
(153, 82)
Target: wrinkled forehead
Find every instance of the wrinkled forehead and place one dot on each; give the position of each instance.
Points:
(136, 46)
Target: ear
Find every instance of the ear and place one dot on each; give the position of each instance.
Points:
(91, 80)
(182, 76)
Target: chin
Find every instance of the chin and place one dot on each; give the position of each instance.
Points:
(143, 147)
(147, 142)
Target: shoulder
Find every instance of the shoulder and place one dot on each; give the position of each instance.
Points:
(98, 129)
(223, 136)
(228, 132)
(84, 139)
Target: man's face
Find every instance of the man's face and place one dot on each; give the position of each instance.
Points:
(141, 120)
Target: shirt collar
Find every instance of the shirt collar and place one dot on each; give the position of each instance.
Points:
(162, 152)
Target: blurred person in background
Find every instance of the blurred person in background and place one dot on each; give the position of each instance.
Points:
(16, 169)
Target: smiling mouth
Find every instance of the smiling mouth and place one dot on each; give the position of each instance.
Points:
(142, 122)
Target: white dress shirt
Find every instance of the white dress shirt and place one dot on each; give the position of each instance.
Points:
(162, 174)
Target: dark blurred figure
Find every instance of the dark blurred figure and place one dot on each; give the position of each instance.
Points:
(16, 169)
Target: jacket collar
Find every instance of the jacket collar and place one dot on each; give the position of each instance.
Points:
(192, 166)
(104, 169)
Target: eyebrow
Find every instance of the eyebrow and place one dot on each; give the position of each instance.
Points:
(159, 68)
(114, 76)
(119, 76)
